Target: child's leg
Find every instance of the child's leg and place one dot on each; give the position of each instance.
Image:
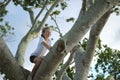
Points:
(35, 68)
(37, 62)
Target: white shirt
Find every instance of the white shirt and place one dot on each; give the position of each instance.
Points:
(41, 49)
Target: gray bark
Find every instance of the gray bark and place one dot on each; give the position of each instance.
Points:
(67, 42)
(84, 58)
(9, 66)
(61, 47)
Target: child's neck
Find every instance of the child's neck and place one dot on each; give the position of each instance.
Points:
(46, 39)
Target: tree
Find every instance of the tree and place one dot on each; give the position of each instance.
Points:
(93, 16)
(5, 29)
(108, 62)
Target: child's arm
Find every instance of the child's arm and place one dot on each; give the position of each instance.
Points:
(46, 45)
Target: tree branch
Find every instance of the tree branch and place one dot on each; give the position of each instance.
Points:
(70, 39)
(31, 13)
(83, 59)
(87, 57)
(35, 21)
(80, 69)
(94, 35)
(64, 67)
(8, 65)
(47, 14)
(56, 25)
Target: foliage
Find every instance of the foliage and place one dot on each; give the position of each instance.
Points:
(117, 10)
(70, 19)
(100, 77)
(5, 28)
(35, 3)
(56, 12)
(71, 71)
(108, 60)
(3, 10)
(84, 43)
(63, 5)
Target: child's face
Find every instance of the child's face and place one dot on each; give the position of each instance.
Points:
(47, 33)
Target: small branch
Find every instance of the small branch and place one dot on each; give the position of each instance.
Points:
(47, 14)
(31, 15)
(56, 25)
(35, 20)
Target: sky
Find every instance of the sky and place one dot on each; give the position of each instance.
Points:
(21, 22)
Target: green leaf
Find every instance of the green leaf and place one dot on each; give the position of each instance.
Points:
(63, 5)
(56, 12)
(70, 19)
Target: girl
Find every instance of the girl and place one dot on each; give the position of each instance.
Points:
(38, 55)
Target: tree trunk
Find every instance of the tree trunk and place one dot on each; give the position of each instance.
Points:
(8, 65)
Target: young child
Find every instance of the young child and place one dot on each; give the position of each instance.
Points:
(38, 55)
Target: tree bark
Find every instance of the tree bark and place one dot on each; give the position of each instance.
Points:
(84, 61)
(8, 65)
(79, 29)
(49, 65)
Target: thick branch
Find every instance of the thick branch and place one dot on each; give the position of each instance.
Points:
(94, 35)
(44, 72)
(21, 49)
(80, 72)
(87, 58)
(85, 21)
(8, 65)
(80, 28)
(82, 61)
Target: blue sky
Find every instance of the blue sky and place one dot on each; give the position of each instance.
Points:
(21, 22)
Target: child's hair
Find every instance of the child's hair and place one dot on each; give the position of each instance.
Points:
(43, 30)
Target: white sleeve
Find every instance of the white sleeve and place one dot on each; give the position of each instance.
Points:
(41, 40)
